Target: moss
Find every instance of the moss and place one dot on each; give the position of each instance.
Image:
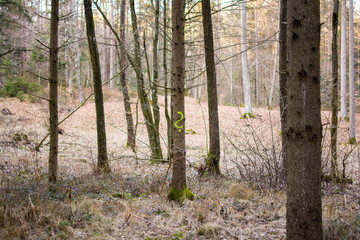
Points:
(352, 141)
(248, 115)
(180, 195)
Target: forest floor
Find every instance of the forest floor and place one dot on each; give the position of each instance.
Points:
(247, 202)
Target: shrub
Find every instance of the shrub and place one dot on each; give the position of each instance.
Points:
(18, 87)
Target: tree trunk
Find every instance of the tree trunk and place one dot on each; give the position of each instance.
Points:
(244, 62)
(274, 73)
(257, 71)
(304, 129)
(167, 115)
(126, 96)
(154, 85)
(111, 48)
(53, 91)
(144, 102)
(103, 164)
(351, 73)
(178, 189)
(213, 159)
(335, 87)
(343, 90)
(77, 60)
(283, 86)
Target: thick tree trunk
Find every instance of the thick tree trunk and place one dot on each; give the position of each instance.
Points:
(304, 129)
(335, 89)
(343, 89)
(144, 102)
(283, 85)
(53, 92)
(126, 96)
(213, 159)
(351, 74)
(178, 188)
(103, 164)
(244, 62)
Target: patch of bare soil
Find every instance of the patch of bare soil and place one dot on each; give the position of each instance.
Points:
(130, 203)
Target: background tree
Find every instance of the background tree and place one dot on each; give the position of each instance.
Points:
(343, 79)
(53, 92)
(213, 159)
(304, 129)
(103, 163)
(335, 89)
(351, 74)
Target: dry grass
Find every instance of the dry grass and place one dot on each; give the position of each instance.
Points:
(127, 204)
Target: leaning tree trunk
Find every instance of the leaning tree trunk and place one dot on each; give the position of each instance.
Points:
(126, 96)
(283, 86)
(144, 102)
(53, 91)
(213, 159)
(244, 62)
(343, 89)
(304, 129)
(103, 164)
(335, 89)
(178, 190)
(351, 74)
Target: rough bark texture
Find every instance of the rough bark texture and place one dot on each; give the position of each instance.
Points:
(53, 91)
(244, 61)
(129, 119)
(144, 102)
(103, 164)
(343, 89)
(283, 85)
(177, 76)
(335, 89)
(304, 129)
(213, 159)
(351, 74)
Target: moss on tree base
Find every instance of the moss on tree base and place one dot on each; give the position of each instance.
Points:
(180, 195)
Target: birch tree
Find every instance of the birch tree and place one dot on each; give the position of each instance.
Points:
(343, 87)
(244, 61)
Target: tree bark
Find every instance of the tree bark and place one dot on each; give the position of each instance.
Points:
(304, 129)
(178, 182)
(283, 85)
(244, 62)
(53, 91)
(103, 164)
(257, 71)
(123, 62)
(144, 102)
(351, 74)
(343, 89)
(77, 60)
(213, 159)
(335, 87)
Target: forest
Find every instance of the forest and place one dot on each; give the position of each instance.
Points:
(179, 119)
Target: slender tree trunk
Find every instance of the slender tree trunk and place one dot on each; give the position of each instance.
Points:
(53, 92)
(77, 60)
(178, 188)
(167, 115)
(154, 85)
(244, 62)
(283, 86)
(351, 73)
(343, 90)
(257, 71)
(111, 48)
(103, 163)
(106, 47)
(335, 89)
(274, 72)
(144, 102)
(126, 96)
(213, 159)
(304, 128)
